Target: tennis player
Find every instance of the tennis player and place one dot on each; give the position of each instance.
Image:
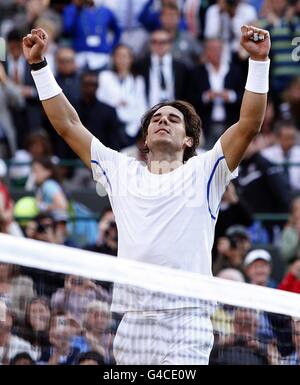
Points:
(165, 211)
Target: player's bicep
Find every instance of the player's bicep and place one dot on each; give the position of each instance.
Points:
(234, 143)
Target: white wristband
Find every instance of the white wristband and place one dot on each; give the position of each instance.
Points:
(45, 83)
(258, 76)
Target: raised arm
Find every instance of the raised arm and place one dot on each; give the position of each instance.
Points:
(237, 138)
(60, 112)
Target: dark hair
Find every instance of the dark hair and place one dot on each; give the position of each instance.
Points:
(14, 35)
(20, 356)
(91, 355)
(283, 123)
(193, 124)
(39, 135)
(87, 73)
(43, 300)
(48, 164)
(119, 46)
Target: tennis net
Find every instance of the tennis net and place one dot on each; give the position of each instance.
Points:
(60, 305)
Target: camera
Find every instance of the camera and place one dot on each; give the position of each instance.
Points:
(41, 228)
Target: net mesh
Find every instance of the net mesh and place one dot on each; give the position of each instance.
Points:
(60, 305)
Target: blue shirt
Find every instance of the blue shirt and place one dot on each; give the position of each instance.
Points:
(48, 190)
(89, 28)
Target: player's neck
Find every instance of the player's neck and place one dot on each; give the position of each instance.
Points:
(162, 163)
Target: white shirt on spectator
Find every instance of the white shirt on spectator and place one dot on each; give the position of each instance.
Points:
(219, 24)
(276, 155)
(17, 345)
(167, 219)
(126, 95)
(156, 94)
(216, 81)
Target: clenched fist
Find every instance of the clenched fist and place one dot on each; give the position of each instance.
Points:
(34, 45)
(256, 42)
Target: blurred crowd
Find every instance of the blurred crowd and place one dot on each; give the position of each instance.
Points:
(114, 59)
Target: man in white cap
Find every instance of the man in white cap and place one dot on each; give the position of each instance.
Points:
(258, 268)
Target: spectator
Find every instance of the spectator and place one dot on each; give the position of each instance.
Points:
(10, 97)
(39, 10)
(27, 116)
(50, 195)
(97, 334)
(286, 150)
(224, 19)
(98, 117)
(233, 210)
(90, 358)
(232, 249)
(16, 290)
(294, 358)
(262, 184)
(7, 223)
(11, 345)
(62, 329)
(165, 77)
(62, 233)
(216, 91)
(67, 75)
(37, 323)
(72, 298)
(222, 318)
(258, 268)
(124, 91)
(42, 228)
(68, 78)
(290, 237)
(107, 241)
(37, 145)
(289, 108)
(127, 13)
(283, 27)
(291, 281)
(185, 47)
(150, 17)
(89, 27)
(22, 359)
(241, 348)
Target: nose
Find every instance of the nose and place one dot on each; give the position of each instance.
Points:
(163, 120)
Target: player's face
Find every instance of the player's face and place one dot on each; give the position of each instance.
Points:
(167, 130)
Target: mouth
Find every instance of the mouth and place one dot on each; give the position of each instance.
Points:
(162, 130)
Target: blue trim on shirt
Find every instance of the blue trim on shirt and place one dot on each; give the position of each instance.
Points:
(209, 183)
(103, 171)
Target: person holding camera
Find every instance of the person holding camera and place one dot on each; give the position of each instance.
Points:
(107, 242)
(89, 27)
(75, 294)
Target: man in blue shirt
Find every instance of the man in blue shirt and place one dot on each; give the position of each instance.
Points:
(89, 27)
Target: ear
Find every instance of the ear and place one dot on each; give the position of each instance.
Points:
(188, 141)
